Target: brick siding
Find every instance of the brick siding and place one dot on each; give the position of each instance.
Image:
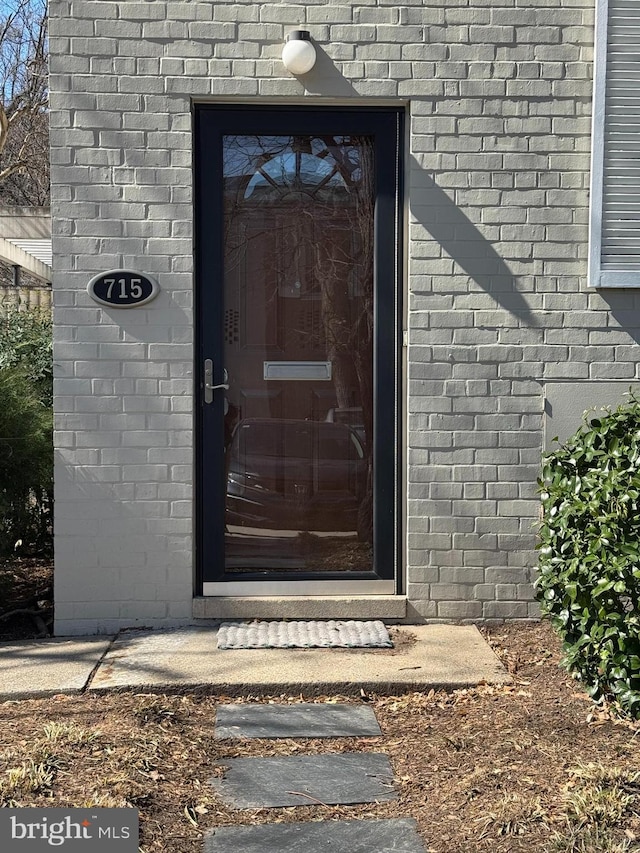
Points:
(497, 167)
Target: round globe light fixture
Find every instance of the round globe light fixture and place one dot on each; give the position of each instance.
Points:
(299, 54)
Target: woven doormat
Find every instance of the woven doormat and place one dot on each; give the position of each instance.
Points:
(303, 635)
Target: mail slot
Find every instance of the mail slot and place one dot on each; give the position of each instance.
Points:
(298, 370)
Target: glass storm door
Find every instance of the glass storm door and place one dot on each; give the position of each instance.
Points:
(298, 305)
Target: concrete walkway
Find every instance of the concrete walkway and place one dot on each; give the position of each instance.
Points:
(424, 656)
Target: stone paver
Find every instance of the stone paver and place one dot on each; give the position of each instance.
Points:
(298, 780)
(303, 720)
(354, 836)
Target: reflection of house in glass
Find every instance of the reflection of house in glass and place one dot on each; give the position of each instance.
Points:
(298, 216)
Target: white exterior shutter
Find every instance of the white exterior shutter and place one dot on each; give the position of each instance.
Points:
(614, 253)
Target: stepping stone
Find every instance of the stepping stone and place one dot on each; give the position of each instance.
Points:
(398, 835)
(306, 780)
(306, 719)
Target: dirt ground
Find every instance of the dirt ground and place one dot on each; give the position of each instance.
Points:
(533, 766)
(26, 598)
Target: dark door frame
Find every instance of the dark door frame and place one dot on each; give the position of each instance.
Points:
(386, 125)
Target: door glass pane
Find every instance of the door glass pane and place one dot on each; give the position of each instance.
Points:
(298, 327)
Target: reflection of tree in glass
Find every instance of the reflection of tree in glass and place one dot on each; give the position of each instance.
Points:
(344, 254)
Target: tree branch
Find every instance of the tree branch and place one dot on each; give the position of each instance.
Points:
(13, 169)
(24, 156)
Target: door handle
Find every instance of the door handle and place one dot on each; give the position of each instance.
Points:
(209, 387)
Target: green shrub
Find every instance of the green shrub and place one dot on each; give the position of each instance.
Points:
(26, 463)
(589, 567)
(26, 341)
(26, 446)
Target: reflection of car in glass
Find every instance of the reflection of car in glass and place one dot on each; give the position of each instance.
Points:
(295, 475)
(352, 416)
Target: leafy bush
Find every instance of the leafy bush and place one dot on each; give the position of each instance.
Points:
(26, 463)
(26, 341)
(26, 446)
(589, 567)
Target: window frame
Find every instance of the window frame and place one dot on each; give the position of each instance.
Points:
(597, 277)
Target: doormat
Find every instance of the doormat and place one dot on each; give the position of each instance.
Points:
(303, 635)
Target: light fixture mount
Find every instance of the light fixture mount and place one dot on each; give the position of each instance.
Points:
(298, 54)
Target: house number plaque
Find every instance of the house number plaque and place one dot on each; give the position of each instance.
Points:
(122, 288)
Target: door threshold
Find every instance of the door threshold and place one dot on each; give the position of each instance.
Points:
(386, 607)
(298, 588)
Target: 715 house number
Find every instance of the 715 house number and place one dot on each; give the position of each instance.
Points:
(122, 288)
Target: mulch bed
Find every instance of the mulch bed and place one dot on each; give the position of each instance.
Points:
(26, 598)
(484, 769)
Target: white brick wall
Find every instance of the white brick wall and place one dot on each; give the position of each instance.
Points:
(499, 94)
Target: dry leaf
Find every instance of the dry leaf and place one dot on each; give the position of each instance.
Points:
(190, 815)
